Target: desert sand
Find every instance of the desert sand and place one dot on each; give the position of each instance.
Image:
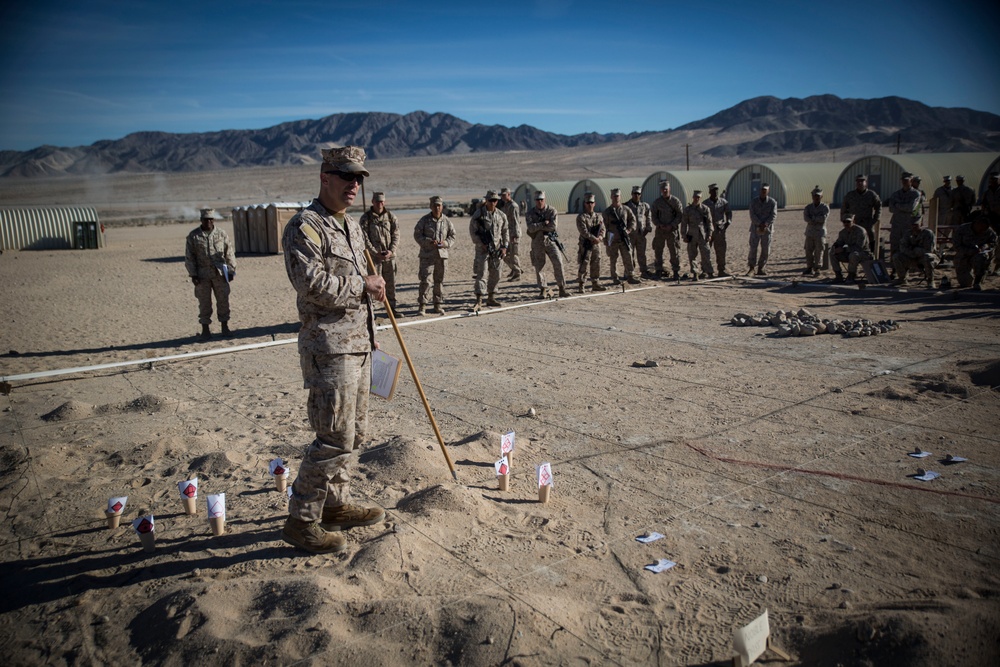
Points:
(777, 469)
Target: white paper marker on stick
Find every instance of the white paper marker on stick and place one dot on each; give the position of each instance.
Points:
(116, 506)
(926, 475)
(507, 446)
(503, 473)
(279, 471)
(918, 453)
(189, 495)
(661, 565)
(145, 528)
(544, 474)
(217, 513)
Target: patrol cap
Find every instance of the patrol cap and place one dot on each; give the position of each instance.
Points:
(616, 191)
(209, 214)
(860, 177)
(505, 191)
(905, 175)
(540, 195)
(637, 189)
(946, 178)
(848, 217)
(995, 174)
(664, 184)
(492, 195)
(697, 193)
(589, 198)
(378, 196)
(436, 200)
(349, 159)
(960, 178)
(765, 186)
(713, 186)
(817, 190)
(915, 179)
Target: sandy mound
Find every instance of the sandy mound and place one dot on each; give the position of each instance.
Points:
(70, 411)
(893, 642)
(146, 403)
(402, 459)
(893, 394)
(985, 375)
(11, 459)
(949, 384)
(216, 464)
(442, 498)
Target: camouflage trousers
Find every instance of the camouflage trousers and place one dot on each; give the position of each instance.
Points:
(487, 264)
(853, 260)
(967, 265)
(338, 387)
(763, 241)
(698, 245)
(618, 248)
(926, 263)
(209, 284)
(815, 244)
(427, 265)
(671, 239)
(542, 247)
(719, 244)
(387, 269)
(510, 259)
(639, 251)
(589, 256)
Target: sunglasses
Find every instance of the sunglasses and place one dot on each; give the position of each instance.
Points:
(344, 176)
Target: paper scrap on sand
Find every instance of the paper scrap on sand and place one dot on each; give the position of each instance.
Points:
(660, 565)
(927, 476)
(920, 455)
(954, 459)
(649, 537)
(507, 442)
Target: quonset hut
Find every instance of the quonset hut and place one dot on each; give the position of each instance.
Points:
(50, 228)
(985, 180)
(791, 184)
(556, 193)
(883, 171)
(684, 183)
(601, 190)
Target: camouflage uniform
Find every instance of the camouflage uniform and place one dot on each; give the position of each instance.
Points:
(513, 213)
(382, 233)
(973, 253)
(643, 226)
(916, 251)
(906, 206)
(696, 228)
(866, 207)
(943, 197)
(666, 215)
(592, 232)
(990, 206)
(851, 246)
(204, 254)
(762, 215)
(495, 224)
(722, 217)
(613, 217)
(325, 262)
(540, 224)
(427, 231)
(815, 216)
(963, 198)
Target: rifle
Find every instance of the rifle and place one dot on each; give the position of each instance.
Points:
(622, 231)
(554, 237)
(485, 235)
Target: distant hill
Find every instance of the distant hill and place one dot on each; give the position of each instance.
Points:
(753, 129)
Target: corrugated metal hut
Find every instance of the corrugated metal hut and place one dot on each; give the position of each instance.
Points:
(50, 228)
(883, 171)
(791, 184)
(985, 180)
(556, 193)
(602, 192)
(684, 183)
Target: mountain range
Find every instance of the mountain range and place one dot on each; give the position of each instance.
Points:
(753, 129)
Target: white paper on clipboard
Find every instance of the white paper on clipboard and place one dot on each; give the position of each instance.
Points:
(385, 374)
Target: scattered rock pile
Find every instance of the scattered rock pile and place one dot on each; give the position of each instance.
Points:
(803, 323)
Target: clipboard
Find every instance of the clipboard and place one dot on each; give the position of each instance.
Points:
(385, 374)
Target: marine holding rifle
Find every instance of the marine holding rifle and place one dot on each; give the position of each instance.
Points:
(541, 222)
(592, 235)
(490, 236)
(620, 223)
(696, 228)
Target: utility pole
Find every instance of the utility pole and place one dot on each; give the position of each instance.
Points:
(687, 157)
(899, 136)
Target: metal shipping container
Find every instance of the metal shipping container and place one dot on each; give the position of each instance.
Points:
(50, 228)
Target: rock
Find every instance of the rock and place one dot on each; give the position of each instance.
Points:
(762, 579)
(532, 412)
(845, 605)
(723, 569)
(831, 327)
(784, 330)
(651, 363)
(808, 330)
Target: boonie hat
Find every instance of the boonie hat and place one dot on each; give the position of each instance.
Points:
(209, 214)
(492, 195)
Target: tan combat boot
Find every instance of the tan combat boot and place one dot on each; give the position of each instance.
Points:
(438, 310)
(310, 536)
(478, 304)
(491, 301)
(421, 309)
(597, 287)
(543, 293)
(345, 517)
(562, 292)
(579, 287)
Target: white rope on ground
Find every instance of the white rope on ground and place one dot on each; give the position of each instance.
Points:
(284, 341)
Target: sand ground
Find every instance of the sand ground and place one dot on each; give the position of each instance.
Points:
(776, 469)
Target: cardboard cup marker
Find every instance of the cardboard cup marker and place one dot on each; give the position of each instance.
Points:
(280, 473)
(544, 474)
(189, 495)
(145, 528)
(114, 512)
(503, 473)
(217, 513)
(507, 447)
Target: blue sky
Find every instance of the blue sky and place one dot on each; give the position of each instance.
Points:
(74, 73)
